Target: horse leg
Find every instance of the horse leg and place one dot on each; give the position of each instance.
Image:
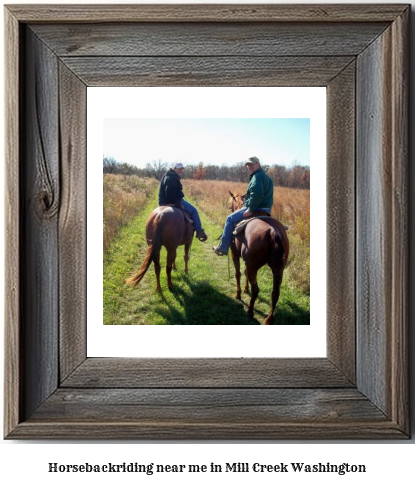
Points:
(171, 258)
(236, 263)
(252, 277)
(275, 295)
(186, 257)
(157, 268)
(246, 289)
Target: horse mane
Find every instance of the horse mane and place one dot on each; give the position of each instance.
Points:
(236, 201)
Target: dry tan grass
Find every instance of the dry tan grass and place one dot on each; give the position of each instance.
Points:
(291, 206)
(122, 200)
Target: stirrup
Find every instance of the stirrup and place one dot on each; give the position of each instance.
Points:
(216, 250)
(203, 237)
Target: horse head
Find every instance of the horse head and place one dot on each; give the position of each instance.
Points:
(236, 201)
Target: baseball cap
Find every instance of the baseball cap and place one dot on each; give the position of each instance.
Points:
(252, 160)
(178, 166)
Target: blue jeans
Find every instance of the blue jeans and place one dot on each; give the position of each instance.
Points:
(230, 223)
(194, 215)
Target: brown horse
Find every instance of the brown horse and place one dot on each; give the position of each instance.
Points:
(262, 242)
(166, 226)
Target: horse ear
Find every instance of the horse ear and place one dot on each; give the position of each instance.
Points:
(231, 194)
(243, 196)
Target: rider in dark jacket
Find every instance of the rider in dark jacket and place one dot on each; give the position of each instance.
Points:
(171, 189)
(171, 193)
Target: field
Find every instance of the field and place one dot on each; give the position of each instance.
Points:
(124, 196)
(206, 294)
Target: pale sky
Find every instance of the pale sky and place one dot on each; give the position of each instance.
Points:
(207, 140)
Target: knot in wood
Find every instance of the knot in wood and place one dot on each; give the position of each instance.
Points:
(46, 204)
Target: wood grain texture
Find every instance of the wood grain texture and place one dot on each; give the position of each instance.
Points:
(207, 71)
(382, 222)
(341, 235)
(399, 225)
(234, 39)
(207, 399)
(373, 222)
(72, 222)
(41, 196)
(13, 383)
(206, 373)
(209, 414)
(213, 431)
(209, 405)
(206, 13)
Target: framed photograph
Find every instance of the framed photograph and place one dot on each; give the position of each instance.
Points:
(199, 316)
(358, 390)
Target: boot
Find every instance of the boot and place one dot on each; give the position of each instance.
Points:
(201, 235)
(217, 250)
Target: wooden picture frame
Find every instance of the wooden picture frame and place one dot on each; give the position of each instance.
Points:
(360, 53)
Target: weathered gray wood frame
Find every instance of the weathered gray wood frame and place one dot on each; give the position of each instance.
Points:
(359, 52)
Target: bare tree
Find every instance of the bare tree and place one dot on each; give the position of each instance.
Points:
(200, 173)
(156, 169)
(241, 171)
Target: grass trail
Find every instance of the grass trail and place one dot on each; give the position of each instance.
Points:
(204, 296)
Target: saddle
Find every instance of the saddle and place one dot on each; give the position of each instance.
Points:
(185, 214)
(240, 226)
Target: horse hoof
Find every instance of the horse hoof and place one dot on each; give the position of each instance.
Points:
(238, 296)
(268, 321)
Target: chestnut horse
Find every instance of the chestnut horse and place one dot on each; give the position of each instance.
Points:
(262, 242)
(166, 226)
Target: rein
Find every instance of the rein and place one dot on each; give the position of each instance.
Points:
(236, 202)
(229, 264)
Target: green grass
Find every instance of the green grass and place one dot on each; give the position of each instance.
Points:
(204, 296)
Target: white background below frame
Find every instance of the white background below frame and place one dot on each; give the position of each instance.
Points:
(213, 340)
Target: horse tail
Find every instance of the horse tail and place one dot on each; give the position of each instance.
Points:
(277, 247)
(135, 279)
(153, 247)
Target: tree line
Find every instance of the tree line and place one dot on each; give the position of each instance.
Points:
(294, 176)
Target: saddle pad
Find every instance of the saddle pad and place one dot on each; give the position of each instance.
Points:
(240, 226)
(186, 215)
